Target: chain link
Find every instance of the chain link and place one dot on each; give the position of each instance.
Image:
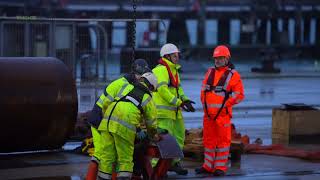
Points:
(134, 19)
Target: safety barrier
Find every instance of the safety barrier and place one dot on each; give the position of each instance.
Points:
(84, 45)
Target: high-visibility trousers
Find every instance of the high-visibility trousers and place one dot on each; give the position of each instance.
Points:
(96, 143)
(216, 141)
(118, 151)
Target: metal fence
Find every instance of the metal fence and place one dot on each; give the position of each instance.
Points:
(82, 44)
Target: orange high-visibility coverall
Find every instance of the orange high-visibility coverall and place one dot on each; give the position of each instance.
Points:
(217, 128)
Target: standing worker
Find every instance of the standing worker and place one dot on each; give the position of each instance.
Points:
(111, 93)
(221, 89)
(169, 98)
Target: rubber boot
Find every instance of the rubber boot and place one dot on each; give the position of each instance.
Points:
(202, 170)
(219, 172)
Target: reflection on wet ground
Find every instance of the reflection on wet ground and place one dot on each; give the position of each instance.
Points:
(67, 165)
(271, 176)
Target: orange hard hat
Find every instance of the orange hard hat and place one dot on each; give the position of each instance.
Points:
(221, 51)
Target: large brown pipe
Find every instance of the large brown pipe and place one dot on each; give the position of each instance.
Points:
(38, 103)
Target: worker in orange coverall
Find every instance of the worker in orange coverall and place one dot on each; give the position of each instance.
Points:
(221, 89)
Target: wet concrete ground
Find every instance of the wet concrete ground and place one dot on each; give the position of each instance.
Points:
(67, 165)
(252, 117)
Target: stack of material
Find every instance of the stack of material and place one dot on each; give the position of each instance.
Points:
(193, 143)
(295, 124)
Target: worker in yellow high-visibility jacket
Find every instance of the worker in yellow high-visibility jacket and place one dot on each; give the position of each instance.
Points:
(112, 91)
(119, 125)
(170, 98)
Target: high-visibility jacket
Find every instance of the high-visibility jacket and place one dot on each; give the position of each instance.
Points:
(168, 98)
(122, 116)
(213, 95)
(113, 90)
(106, 98)
(132, 106)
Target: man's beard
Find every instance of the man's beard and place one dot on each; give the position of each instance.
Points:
(221, 63)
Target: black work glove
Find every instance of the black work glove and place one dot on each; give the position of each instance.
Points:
(184, 106)
(95, 116)
(187, 105)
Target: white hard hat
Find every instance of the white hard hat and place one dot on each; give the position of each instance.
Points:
(168, 49)
(151, 80)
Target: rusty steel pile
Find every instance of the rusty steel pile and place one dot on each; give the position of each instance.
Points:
(38, 103)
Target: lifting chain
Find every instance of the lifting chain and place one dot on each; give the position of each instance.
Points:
(134, 5)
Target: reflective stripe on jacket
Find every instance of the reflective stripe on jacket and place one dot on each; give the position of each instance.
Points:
(126, 116)
(112, 92)
(214, 99)
(109, 95)
(167, 98)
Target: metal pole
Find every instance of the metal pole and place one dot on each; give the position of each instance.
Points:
(106, 54)
(51, 38)
(74, 35)
(104, 33)
(54, 48)
(165, 30)
(97, 52)
(26, 39)
(1, 37)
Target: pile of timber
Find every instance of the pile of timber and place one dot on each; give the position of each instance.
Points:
(193, 141)
(194, 147)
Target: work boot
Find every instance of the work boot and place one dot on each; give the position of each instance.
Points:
(202, 170)
(178, 169)
(219, 172)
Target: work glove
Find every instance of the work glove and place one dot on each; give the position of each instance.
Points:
(187, 105)
(184, 106)
(161, 131)
(95, 116)
(141, 135)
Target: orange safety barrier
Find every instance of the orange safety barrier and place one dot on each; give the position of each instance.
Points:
(235, 136)
(92, 171)
(275, 149)
(280, 150)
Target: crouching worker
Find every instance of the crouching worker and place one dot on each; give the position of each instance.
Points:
(118, 127)
(112, 92)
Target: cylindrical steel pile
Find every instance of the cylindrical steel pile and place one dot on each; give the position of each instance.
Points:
(38, 103)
